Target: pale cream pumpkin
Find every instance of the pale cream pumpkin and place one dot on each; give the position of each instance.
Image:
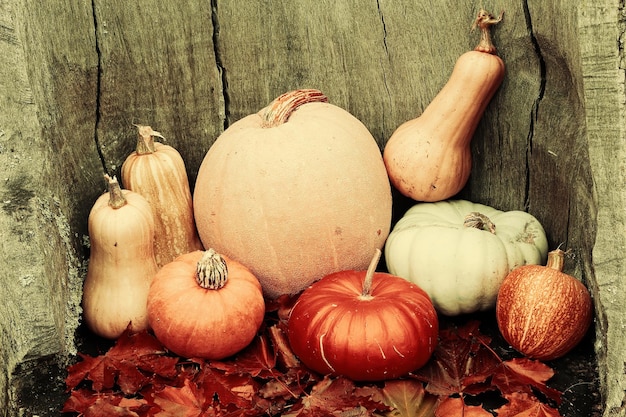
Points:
(295, 192)
(459, 252)
(157, 172)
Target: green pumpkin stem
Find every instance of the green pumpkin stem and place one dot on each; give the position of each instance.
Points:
(145, 140)
(211, 272)
(479, 221)
(116, 197)
(369, 276)
(279, 110)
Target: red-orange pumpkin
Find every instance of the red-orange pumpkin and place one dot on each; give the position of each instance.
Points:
(295, 192)
(205, 305)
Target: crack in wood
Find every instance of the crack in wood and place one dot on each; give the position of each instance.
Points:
(535, 108)
(219, 63)
(98, 90)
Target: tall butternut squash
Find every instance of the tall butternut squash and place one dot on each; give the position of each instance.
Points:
(121, 262)
(157, 172)
(428, 158)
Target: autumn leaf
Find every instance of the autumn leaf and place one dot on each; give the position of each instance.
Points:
(88, 403)
(131, 363)
(522, 375)
(461, 363)
(408, 398)
(525, 405)
(256, 360)
(185, 401)
(456, 407)
(336, 397)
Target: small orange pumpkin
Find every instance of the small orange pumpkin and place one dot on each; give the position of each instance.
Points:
(295, 192)
(205, 305)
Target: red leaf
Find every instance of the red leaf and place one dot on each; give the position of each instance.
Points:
(131, 363)
(256, 360)
(229, 389)
(456, 407)
(523, 374)
(524, 405)
(461, 363)
(186, 401)
(331, 396)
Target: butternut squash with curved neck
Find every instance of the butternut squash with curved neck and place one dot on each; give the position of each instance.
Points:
(121, 262)
(428, 158)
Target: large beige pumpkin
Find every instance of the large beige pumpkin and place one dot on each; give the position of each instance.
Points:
(294, 192)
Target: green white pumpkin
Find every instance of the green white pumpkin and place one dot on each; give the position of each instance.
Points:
(459, 252)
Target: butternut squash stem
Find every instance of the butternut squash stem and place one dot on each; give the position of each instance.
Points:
(484, 21)
(211, 271)
(145, 141)
(556, 259)
(366, 294)
(479, 221)
(279, 110)
(116, 197)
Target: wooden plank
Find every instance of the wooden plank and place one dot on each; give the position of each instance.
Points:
(603, 78)
(158, 67)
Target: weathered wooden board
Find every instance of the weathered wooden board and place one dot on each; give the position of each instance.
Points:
(76, 76)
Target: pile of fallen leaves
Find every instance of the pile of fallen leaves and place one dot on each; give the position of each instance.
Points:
(139, 377)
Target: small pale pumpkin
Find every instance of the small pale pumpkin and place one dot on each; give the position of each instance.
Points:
(459, 252)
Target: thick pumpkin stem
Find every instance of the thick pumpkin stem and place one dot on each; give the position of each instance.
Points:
(369, 276)
(211, 272)
(279, 110)
(116, 197)
(479, 221)
(145, 140)
(484, 21)
(556, 259)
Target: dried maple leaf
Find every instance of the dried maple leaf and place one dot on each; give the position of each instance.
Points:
(256, 360)
(461, 363)
(227, 389)
(131, 363)
(87, 403)
(522, 375)
(456, 407)
(338, 396)
(185, 401)
(525, 405)
(408, 398)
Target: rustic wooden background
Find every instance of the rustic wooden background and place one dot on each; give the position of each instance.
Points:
(76, 75)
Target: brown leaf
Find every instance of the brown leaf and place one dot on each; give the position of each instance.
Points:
(408, 398)
(461, 363)
(523, 374)
(525, 405)
(456, 407)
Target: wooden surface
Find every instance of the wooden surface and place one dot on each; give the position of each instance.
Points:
(76, 76)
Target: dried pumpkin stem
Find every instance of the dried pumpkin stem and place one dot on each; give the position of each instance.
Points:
(279, 110)
(479, 221)
(211, 272)
(369, 276)
(556, 259)
(484, 21)
(116, 197)
(145, 140)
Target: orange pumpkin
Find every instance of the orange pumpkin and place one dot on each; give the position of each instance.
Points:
(295, 192)
(205, 305)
